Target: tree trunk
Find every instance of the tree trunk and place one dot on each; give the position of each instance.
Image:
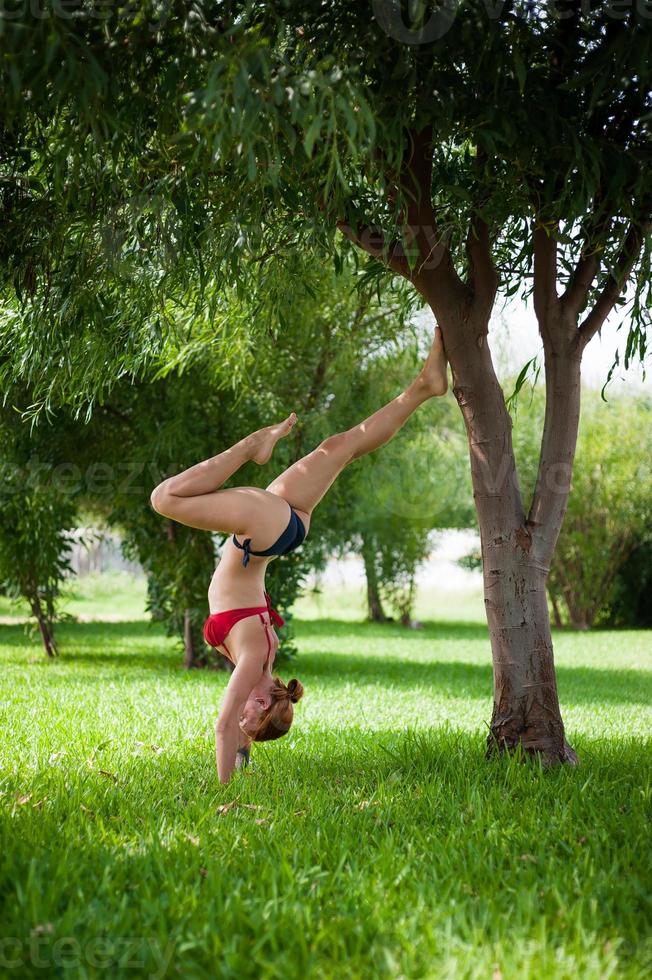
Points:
(196, 653)
(44, 625)
(190, 656)
(580, 623)
(576, 614)
(375, 611)
(526, 708)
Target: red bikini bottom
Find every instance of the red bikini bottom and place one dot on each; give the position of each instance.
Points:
(218, 625)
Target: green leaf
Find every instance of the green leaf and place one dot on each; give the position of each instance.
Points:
(510, 402)
(521, 70)
(313, 132)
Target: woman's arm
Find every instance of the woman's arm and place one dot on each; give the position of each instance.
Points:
(228, 736)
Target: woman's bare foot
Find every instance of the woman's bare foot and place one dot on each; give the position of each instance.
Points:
(262, 442)
(433, 374)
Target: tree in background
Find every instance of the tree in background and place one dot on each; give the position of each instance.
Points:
(334, 324)
(610, 507)
(38, 512)
(162, 426)
(479, 149)
(412, 493)
(629, 604)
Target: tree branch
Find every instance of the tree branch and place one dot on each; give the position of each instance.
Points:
(483, 278)
(558, 444)
(616, 280)
(545, 276)
(575, 295)
(562, 369)
(415, 181)
(434, 268)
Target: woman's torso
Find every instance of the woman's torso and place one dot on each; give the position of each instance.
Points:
(235, 587)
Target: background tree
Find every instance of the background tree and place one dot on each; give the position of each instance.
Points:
(487, 149)
(165, 424)
(610, 507)
(629, 604)
(191, 402)
(38, 512)
(332, 332)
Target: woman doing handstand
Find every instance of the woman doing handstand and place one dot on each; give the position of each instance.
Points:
(264, 524)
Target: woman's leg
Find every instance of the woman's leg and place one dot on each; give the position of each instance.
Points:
(193, 497)
(305, 482)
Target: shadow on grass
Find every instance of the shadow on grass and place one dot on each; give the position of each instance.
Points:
(365, 758)
(445, 632)
(329, 765)
(334, 763)
(113, 644)
(87, 634)
(135, 643)
(577, 685)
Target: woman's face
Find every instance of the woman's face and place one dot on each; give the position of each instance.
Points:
(252, 712)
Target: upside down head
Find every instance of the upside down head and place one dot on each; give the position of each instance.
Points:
(266, 718)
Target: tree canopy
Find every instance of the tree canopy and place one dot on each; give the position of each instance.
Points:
(152, 153)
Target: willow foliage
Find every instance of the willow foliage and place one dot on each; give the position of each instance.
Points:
(157, 154)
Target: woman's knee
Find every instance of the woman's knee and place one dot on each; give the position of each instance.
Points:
(160, 499)
(339, 445)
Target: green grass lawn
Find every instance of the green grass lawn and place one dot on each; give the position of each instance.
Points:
(373, 841)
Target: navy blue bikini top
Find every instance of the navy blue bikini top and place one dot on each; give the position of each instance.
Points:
(291, 538)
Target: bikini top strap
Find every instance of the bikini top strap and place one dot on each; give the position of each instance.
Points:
(248, 550)
(246, 547)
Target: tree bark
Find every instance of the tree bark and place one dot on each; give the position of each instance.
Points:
(375, 611)
(188, 649)
(526, 708)
(193, 643)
